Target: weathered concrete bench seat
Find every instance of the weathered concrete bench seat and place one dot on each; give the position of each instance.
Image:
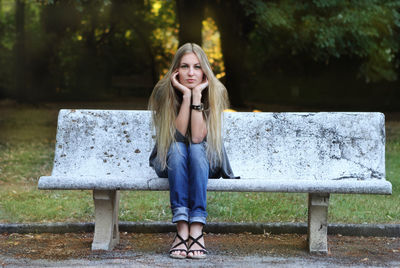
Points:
(316, 153)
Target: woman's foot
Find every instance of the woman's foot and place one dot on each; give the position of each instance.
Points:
(179, 245)
(196, 242)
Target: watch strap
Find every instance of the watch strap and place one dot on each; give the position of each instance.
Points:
(198, 107)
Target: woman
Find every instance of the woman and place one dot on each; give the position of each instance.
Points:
(187, 105)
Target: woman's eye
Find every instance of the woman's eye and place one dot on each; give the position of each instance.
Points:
(184, 66)
(197, 67)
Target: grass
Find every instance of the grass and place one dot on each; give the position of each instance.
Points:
(27, 138)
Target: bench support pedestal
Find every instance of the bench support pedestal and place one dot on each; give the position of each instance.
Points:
(318, 222)
(106, 233)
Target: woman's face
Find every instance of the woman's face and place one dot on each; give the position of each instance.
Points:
(190, 72)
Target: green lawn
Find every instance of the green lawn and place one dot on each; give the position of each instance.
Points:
(27, 137)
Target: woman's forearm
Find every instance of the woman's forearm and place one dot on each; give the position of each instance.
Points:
(198, 124)
(183, 118)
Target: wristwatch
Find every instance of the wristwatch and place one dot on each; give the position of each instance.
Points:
(198, 107)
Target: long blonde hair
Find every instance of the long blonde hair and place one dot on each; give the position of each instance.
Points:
(165, 103)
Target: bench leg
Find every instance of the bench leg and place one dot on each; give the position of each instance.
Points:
(318, 222)
(106, 233)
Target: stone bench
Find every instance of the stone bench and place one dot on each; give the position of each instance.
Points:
(315, 153)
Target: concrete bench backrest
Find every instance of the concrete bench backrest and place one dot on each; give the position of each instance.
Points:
(284, 146)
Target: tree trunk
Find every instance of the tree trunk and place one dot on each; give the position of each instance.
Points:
(190, 17)
(230, 20)
(20, 53)
(121, 12)
(90, 72)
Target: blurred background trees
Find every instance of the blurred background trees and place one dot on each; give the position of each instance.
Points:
(318, 53)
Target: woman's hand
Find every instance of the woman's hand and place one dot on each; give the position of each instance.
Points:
(175, 83)
(200, 87)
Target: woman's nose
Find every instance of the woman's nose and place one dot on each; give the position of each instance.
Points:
(191, 71)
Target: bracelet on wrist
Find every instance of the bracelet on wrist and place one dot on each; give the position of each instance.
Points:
(198, 107)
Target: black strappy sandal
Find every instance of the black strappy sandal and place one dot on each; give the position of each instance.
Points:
(174, 249)
(203, 249)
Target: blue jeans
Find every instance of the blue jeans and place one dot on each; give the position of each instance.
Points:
(187, 171)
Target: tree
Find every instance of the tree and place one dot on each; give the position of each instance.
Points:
(134, 18)
(190, 17)
(20, 55)
(230, 19)
(366, 31)
(234, 27)
(58, 19)
(7, 53)
(260, 34)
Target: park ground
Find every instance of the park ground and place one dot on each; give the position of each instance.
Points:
(228, 250)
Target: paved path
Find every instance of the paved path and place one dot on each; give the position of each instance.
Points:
(160, 260)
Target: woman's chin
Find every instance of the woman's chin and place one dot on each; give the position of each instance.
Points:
(191, 86)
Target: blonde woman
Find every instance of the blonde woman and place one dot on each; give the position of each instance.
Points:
(187, 105)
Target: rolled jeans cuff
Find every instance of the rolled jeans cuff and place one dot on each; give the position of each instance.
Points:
(180, 214)
(200, 219)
